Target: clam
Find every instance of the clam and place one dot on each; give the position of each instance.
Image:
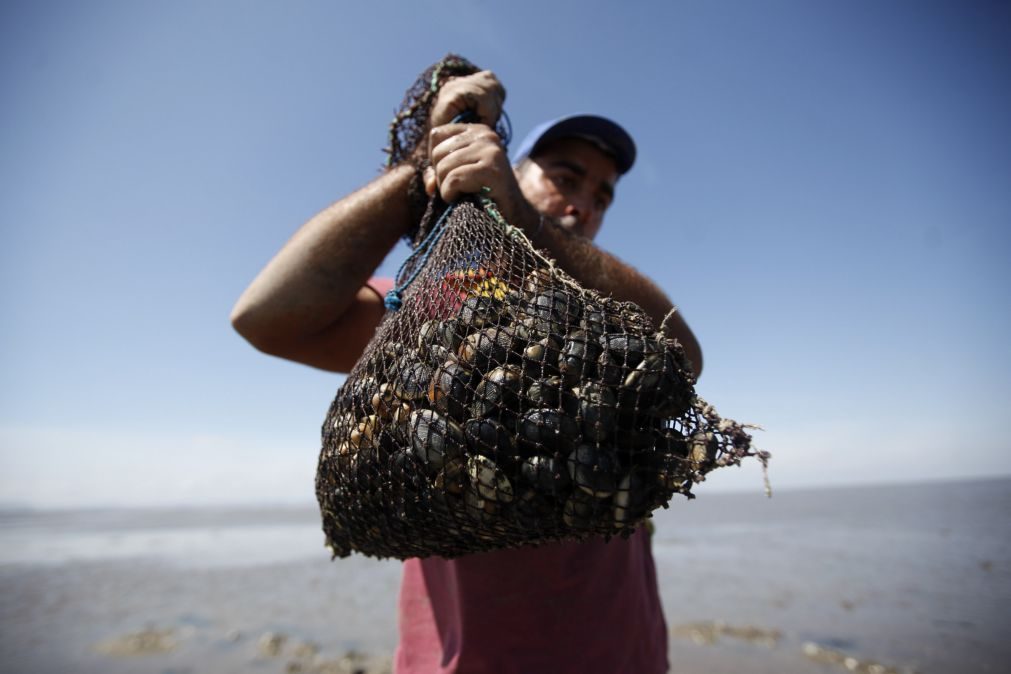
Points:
(540, 358)
(537, 281)
(429, 333)
(498, 390)
(488, 437)
(489, 480)
(546, 430)
(384, 401)
(631, 499)
(435, 439)
(545, 473)
(593, 321)
(439, 354)
(578, 357)
(344, 423)
(527, 329)
(597, 409)
(480, 311)
(479, 508)
(554, 311)
(365, 434)
(609, 371)
(626, 349)
(451, 333)
(358, 394)
(593, 469)
(400, 423)
(452, 478)
(412, 384)
(449, 389)
(544, 392)
(487, 348)
(580, 511)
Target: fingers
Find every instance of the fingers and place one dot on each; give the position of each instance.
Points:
(465, 158)
(481, 93)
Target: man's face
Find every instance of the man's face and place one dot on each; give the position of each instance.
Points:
(573, 181)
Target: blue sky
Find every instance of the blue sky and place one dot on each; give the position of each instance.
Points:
(823, 188)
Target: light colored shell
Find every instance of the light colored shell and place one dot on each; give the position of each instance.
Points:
(489, 480)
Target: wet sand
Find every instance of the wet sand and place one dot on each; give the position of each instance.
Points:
(875, 580)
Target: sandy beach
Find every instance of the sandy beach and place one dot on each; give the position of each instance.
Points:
(877, 579)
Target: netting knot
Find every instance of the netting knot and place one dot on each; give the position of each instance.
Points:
(393, 301)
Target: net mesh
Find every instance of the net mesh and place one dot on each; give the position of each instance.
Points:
(505, 405)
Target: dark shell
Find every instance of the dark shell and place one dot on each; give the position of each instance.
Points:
(536, 281)
(582, 511)
(578, 358)
(449, 392)
(498, 391)
(594, 470)
(489, 480)
(412, 384)
(554, 311)
(610, 371)
(631, 499)
(597, 409)
(544, 392)
(489, 438)
(439, 354)
(358, 394)
(546, 474)
(548, 430)
(540, 358)
(429, 333)
(480, 311)
(452, 478)
(626, 349)
(487, 348)
(435, 439)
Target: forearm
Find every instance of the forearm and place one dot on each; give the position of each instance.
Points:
(314, 279)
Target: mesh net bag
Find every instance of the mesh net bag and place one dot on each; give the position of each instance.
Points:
(502, 404)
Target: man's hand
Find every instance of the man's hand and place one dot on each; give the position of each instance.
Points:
(480, 93)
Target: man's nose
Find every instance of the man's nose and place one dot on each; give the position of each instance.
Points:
(578, 212)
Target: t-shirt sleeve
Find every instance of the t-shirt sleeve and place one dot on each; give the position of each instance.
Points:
(381, 285)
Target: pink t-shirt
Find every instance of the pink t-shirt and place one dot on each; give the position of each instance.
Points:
(589, 607)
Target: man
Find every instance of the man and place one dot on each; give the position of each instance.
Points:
(573, 607)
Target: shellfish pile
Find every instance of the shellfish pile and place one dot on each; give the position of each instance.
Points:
(499, 410)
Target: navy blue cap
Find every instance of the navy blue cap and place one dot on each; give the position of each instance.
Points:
(602, 132)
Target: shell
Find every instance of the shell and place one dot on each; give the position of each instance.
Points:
(385, 402)
(413, 382)
(489, 347)
(544, 392)
(365, 434)
(489, 438)
(449, 391)
(435, 439)
(498, 390)
(452, 478)
(547, 430)
(631, 499)
(489, 480)
(593, 469)
(553, 311)
(545, 474)
(581, 511)
(480, 311)
(540, 358)
(597, 410)
(578, 358)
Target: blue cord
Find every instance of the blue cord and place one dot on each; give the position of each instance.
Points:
(393, 299)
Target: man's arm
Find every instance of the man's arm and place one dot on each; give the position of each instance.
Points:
(309, 304)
